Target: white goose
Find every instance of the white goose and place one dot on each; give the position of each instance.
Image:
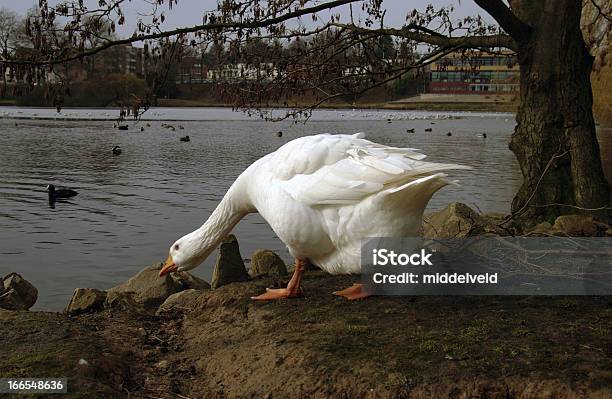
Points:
(321, 195)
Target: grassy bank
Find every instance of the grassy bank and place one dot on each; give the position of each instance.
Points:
(221, 344)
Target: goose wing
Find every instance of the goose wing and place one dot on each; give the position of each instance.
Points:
(344, 169)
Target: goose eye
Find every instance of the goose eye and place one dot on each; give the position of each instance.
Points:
(176, 247)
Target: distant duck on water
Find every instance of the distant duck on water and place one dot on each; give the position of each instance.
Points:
(185, 139)
(60, 193)
(116, 150)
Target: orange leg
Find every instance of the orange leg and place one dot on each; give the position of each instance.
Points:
(353, 292)
(293, 289)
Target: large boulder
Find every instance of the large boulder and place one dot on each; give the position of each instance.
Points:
(229, 267)
(85, 300)
(150, 290)
(266, 262)
(458, 220)
(16, 293)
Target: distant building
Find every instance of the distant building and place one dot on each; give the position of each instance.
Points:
(474, 73)
(122, 59)
(192, 70)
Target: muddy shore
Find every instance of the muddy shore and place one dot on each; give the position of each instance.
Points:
(219, 343)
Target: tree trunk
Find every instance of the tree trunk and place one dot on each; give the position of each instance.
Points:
(554, 140)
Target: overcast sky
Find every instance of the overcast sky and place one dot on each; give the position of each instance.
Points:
(189, 12)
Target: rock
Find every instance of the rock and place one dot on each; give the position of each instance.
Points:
(16, 293)
(458, 220)
(86, 300)
(266, 262)
(541, 229)
(123, 301)
(229, 267)
(596, 31)
(579, 226)
(151, 290)
(180, 301)
(189, 281)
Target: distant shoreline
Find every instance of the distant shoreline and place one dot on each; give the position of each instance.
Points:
(413, 106)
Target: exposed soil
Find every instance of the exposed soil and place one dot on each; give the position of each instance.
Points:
(225, 345)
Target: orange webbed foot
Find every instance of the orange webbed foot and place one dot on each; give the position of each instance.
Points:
(353, 292)
(277, 293)
(293, 289)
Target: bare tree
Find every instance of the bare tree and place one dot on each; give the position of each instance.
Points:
(9, 28)
(340, 56)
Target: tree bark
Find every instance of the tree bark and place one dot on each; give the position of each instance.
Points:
(555, 140)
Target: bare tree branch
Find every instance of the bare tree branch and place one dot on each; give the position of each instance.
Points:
(436, 39)
(509, 22)
(183, 31)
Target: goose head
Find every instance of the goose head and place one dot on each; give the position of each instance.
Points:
(188, 252)
(192, 249)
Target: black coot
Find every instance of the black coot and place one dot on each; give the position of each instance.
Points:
(55, 194)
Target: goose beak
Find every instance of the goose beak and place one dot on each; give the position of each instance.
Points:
(168, 267)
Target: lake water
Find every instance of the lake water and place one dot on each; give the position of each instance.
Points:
(131, 207)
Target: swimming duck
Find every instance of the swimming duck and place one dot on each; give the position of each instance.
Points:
(410, 130)
(116, 150)
(322, 195)
(55, 194)
(186, 138)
